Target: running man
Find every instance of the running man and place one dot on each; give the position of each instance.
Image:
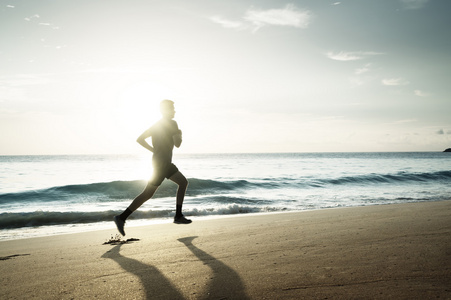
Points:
(165, 135)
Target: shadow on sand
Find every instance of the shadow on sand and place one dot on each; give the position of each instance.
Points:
(224, 282)
(155, 284)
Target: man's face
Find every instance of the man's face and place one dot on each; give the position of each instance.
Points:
(169, 112)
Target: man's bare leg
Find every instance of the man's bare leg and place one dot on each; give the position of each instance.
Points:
(145, 195)
(182, 183)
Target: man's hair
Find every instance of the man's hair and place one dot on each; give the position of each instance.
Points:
(166, 104)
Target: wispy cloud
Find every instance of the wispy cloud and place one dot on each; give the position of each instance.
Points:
(364, 69)
(351, 56)
(413, 4)
(287, 16)
(359, 79)
(421, 93)
(32, 17)
(254, 19)
(336, 3)
(36, 16)
(50, 25)
(395, 81)
(227, 23)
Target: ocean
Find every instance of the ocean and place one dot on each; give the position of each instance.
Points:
(47, 195)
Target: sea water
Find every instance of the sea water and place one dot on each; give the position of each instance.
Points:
(42, 195)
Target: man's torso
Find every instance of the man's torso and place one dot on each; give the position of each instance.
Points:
(162, 140)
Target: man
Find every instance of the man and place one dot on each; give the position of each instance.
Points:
(165, 135)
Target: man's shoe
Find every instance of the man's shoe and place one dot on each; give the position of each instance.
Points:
(119, 224)
(181, 220)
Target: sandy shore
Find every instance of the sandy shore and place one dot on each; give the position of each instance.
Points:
(378, 252)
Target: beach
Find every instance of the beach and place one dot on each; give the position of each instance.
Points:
(396, 251)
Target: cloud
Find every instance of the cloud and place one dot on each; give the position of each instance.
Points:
(350, 56)
(362, 70)
(32, 17)
(288, 16)
(414, 4)
(420, 93)
(336, 3)
(227, 23)
(36, 16)
(254, 19)
(50, 25)
(395, 81)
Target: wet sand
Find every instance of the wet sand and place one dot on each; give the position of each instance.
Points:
(378, 252)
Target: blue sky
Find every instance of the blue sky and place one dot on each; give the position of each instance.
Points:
(82, 77)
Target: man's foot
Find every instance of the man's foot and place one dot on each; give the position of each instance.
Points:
(119, 224)
(181, 220)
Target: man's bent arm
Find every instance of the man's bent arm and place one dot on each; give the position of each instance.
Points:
(177, 138)
(142, 140)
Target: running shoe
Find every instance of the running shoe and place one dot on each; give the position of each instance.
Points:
(181, 220)
(119, 224)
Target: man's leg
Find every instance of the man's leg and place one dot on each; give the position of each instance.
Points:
(182, 183)
(145, 195)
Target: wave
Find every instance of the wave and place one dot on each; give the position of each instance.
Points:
(401, 177)
(120, 190)
(111, 190)
(124, 190)
(49, 218)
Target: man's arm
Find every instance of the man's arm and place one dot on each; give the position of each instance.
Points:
(142, 139)
(177, 138)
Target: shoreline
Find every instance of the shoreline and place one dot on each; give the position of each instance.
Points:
(381, 251)
(67, 229)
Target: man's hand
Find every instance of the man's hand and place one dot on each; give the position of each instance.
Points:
(177, 138)
(142, 140)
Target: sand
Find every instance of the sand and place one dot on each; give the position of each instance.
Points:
(400, 251)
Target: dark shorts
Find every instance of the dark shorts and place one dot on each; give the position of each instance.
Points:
(162, 172)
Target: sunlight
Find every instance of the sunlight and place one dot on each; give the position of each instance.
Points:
(121, 104)
(139, 104)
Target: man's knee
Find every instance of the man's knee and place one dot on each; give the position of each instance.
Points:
(183, 183)
(180, 180)
(149, 191)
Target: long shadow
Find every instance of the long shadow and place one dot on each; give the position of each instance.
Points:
(155, 284)
(225, 282)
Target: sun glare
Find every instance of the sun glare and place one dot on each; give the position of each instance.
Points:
(139, 104)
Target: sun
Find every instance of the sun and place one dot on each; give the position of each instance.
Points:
(139, 104)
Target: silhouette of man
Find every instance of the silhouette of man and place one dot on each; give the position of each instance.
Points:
(165, 135)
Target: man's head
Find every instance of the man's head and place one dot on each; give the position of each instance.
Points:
(167, 109)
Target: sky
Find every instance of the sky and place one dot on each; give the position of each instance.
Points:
(86, 76)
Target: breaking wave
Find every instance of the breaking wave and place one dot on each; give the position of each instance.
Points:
(215, 197)
(48, 218)
(121, 190)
